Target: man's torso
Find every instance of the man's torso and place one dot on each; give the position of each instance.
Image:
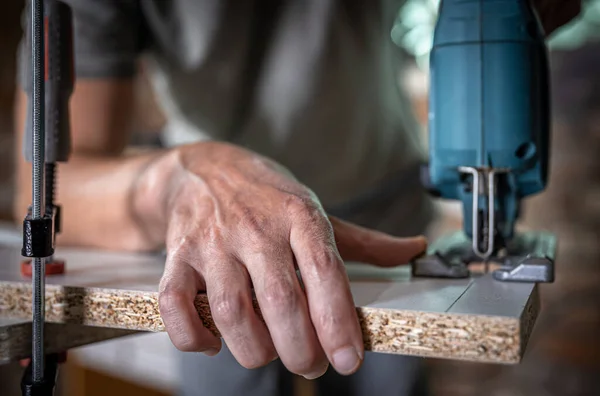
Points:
(309, 83)
(312, 84)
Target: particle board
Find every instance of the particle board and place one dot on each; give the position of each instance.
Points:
(475, 319)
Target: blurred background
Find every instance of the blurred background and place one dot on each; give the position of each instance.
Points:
(564, 353)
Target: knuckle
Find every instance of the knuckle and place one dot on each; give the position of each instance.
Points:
(171, 301)
(310, 218)
(294, 202)
(180, 249)
(303, 205)
(227, 308)
(179, 211)
(281, 295)
(328, 322)
(326, 262)
(254, 222)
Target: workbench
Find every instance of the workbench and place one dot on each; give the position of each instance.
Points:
(106, 295)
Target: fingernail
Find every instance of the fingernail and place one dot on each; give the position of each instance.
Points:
(346, 360)
(210, 352)
(318, 373)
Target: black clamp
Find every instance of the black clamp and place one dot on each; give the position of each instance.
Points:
(45, 387)
(38, 236)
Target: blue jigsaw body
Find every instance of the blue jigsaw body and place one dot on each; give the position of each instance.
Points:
(489, 110)
(489, 102)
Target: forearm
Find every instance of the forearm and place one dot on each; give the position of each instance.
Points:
(97, 187)
(103, 201)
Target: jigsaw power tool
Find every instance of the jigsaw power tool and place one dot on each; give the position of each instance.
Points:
(489, 137)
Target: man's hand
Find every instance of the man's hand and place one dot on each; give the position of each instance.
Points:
(556, 13)
(236, 221)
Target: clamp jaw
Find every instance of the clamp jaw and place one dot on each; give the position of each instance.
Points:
(489, 126)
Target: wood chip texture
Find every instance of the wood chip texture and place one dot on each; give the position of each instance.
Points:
(475, 319)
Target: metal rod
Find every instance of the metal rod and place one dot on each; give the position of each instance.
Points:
(491, 191)
(38, 319)
(37, 45)
(475, 211)
(477, 186)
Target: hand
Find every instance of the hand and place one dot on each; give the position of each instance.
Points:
(556, 13)
(235, 220)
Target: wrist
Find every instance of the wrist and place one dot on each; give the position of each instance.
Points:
(151, 195)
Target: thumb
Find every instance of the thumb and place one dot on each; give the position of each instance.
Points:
(367, 246)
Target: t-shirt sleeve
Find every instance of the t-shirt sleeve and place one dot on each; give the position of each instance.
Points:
(108, 38)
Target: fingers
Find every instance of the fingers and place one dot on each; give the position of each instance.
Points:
(284, 308)
(230, 300)
(362, 245)
(327, 290)
(178, 288)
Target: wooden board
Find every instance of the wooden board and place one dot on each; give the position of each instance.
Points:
(475, 319)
